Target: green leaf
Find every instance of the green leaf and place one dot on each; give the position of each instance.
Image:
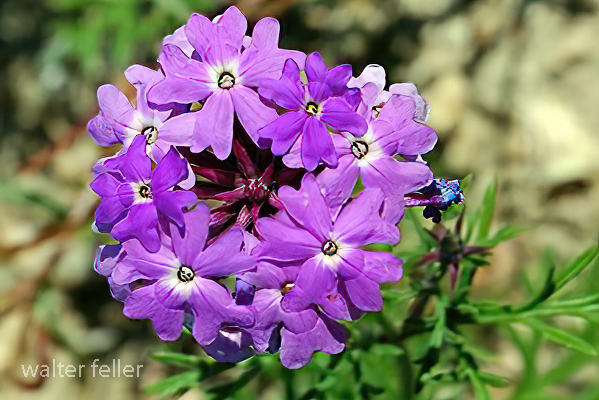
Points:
(486, 212)
(437, 335)
(385, 349)
(480, 390)
(466, 182)
(178, 359)
(577, 267)
(504, 234)
(493, 380)
(327, 383)
(561, 337)
(174, 384)
(427, 241)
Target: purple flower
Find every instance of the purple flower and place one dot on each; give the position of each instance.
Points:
(107, 258)
(392, 131)
(181, 279)
(119, 122)
(327, 247)
(134, 196)
(302, 332)
(372, 84)
(221, 75)
(373, 158)
(314, 108)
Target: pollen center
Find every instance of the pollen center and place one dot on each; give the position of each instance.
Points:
(359, 149)
(151, 134)
(226, 80)
(287, 288)
(145, 192)
(185, 274)
(312, 108)
(330, 248)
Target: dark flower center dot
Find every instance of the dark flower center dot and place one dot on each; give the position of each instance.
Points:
(377, 111)
(312, 108)
(145, 192)
(359, 149)
(226, 80)
(151, 134)
(185, 274)
(287, 288)
(330, 248)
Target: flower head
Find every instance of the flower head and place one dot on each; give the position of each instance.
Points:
(314, 108)
(134, 197)
(327, 248)
(223, 77)
(181, 279)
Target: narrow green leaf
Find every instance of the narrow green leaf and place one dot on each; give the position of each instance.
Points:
(174, 384)
(427, 241)
(504, 234)
(480, 390)
(493, 380)
(573, 270)
(471, 221)
(437, 335)
(561, 337)
(466, 182)
(486, 213)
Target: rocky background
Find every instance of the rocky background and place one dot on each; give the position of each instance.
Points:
(513, 87)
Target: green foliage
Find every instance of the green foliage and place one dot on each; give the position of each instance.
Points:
(105, 35)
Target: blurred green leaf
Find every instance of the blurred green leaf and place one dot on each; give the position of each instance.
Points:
(426, 240)
(561, 337)
(174, 384)
(574, 269)
(504, 234)
(487, 212)
(493, 380)
(480, 390)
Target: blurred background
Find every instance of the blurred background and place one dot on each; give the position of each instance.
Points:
(513, 87)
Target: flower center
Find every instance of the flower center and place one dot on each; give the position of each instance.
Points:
(185, 274)
(359, 149)
(312, 108)
(151, 134)
(226, 80)
(330, 248)
(287, 288)
(145, 192)
(257, 190)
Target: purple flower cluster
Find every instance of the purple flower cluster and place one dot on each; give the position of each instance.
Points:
(232, 195)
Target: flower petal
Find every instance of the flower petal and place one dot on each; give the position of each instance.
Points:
(252, 113)
(360, 222)
(224, 256)
(315, 68)
(214, 124)
(365, 294)
(307, 206)
(337, 78)
(339, 115)
(284, 131)
(316, 279)
(317, 145)
(142, 224)
(188, 246)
